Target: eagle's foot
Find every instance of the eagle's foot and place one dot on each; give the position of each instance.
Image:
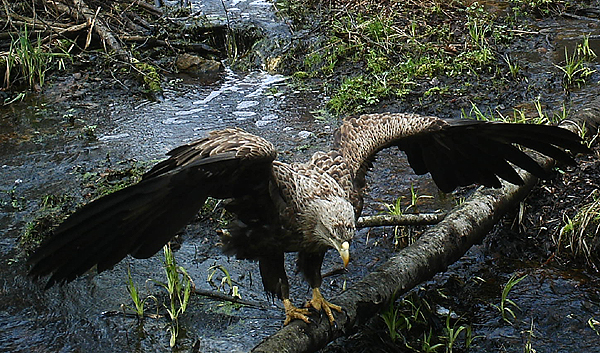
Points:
(319, 303)
(292, 312)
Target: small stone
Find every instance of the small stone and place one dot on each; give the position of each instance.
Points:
(195, 64)
(304, 134)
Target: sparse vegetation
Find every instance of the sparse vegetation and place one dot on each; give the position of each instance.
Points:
(589, 140)
(150, 77)
(130, 41)
(179, 287)
(225, 280)
(575, 71)
(139, 303)
(52, 210)
(506, 305)
(580, 234)
(513, 66)
(528, 344)
(584, 51)
(594, 325)
(409, 323)
(31, 60)
(452, 333)
(403, 236)
(518, 116)
(400, 318)
(103, 182)
(400, 50)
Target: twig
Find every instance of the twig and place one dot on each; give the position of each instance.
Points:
(111, 313)
(152, 9)
(88, 39)
(229, 298)
(75, 28)
(46, 32)
(102, 30)
(196, 47)
(8, 17)
(38, 25)
(577, 17)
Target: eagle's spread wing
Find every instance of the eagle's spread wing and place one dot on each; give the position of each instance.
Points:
(141, 218)
(456, 152)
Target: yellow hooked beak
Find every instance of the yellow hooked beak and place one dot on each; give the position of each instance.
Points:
(344, 251)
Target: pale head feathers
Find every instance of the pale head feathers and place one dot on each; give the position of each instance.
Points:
(328, 223)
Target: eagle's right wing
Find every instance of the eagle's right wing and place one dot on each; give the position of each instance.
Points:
(141, 218)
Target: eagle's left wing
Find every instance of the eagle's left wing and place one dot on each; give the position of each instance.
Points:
(456, 152)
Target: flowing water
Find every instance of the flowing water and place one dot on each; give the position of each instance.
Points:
(43, 152)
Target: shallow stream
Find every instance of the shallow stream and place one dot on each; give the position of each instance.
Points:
(44, 152)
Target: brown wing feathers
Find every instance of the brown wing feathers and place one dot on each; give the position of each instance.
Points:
(456, 152)
(141, 218)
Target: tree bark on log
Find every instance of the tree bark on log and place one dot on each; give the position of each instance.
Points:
(433, 252)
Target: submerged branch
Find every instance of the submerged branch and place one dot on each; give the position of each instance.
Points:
(433, 252)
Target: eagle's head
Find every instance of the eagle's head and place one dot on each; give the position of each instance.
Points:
(330, 223)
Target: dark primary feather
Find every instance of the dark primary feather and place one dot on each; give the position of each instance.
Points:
(132, 220)
(465, 153)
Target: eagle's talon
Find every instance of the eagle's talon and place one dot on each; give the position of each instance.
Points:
(292, 313)
(320, 304)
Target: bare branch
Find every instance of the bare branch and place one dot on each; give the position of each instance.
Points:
(408, 219)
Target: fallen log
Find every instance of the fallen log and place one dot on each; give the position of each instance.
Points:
(433, 252)
(154, 42)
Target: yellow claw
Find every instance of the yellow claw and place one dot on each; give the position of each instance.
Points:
(292, 313)
(319, 303)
